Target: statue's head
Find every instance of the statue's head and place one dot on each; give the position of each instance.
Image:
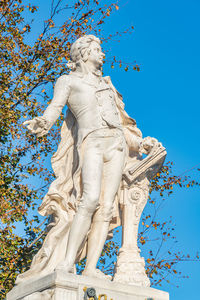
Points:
(87, 49)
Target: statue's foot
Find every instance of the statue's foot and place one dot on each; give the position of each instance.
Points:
(96, 273)
(66, 267)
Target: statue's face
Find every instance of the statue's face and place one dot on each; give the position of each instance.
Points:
(96, 55)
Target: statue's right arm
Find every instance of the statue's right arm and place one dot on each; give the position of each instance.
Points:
(41, 125)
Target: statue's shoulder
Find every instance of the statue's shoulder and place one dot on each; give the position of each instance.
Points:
(75, 77)
(107, 79)
(63, 80)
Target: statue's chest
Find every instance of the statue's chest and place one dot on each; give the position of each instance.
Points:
(86, 93)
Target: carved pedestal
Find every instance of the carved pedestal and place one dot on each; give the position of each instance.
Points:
(130, 266)
(62, 286)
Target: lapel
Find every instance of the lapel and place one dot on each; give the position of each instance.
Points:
(103, 85)
(108, 81)
(120, 104)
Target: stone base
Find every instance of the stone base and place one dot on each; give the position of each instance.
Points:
(60, 285)
(130, 268)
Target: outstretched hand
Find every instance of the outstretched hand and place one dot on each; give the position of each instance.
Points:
(36, 126)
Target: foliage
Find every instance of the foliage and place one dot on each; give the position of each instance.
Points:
(30, 63)
(157, 233)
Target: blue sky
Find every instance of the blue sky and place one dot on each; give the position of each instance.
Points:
(164, 99)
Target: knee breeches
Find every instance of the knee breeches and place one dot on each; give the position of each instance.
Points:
(103, 163)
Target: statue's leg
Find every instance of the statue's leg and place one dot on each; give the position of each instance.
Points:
(96, 241)
(91, 181)
(112, 174)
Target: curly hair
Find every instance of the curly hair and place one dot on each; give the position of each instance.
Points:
(80, 49)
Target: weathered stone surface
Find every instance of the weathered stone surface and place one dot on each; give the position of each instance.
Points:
(63, 286)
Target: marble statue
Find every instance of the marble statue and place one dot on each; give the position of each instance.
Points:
(101, 174)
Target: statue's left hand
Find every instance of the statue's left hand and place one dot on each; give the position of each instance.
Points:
(147, 144)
